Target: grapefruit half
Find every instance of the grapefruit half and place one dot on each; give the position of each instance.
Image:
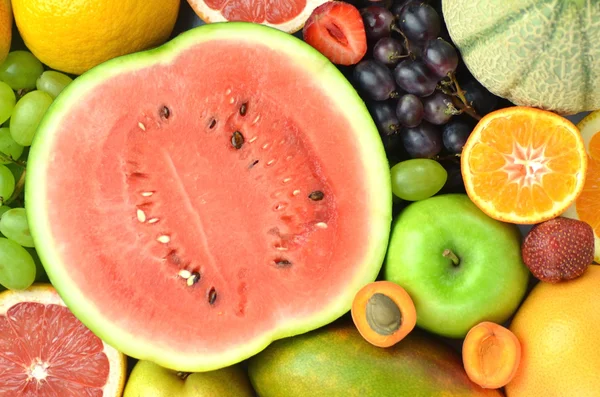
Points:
(286, 15)
(46, 351)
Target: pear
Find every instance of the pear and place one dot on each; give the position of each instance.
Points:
(150, 380)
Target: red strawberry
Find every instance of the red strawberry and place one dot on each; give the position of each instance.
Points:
(337, 31)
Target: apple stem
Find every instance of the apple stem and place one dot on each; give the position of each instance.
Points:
(449, 254)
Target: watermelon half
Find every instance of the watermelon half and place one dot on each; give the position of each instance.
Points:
(194, 202)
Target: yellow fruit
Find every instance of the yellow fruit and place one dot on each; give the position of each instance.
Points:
(557, 326)
(587, 205)
(5, 28)
(75, 35)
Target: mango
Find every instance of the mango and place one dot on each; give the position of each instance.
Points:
(336, 361)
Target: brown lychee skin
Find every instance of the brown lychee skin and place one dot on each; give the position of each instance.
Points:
(558, 250)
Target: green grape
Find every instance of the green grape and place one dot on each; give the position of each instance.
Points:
(53, 82)
(7, 101)
(27, 115)
(3, 209)
(14, 226)
(8, 146)
(21, 70)
(17, 268)
(417, 179)
(7, 183)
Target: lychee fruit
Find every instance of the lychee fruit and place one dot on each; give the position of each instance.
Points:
(558, 250)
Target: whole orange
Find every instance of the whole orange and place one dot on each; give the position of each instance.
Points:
(557, 326)
(5, 28)
(75, 35)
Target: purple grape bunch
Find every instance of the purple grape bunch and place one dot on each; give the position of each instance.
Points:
(413, 85)
(409, 80)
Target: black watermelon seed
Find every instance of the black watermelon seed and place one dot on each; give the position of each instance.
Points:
(282, 262)
(253, 164)
(237, 140)
(212, 295)
(243, 109)
(317, 195)
(196, 276)
(213, 123)
(165, 113)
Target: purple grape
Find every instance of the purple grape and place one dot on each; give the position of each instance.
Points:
(415, 78)
(409, 110)
(481, 99)
(374, 79)
(440, 56)
(378, 21)
(419, 22)
(399, 5)
(455, 135)
(388, 51)
(384, 115)
(437, 108)
(423, 141)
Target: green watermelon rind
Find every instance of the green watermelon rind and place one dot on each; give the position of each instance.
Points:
(346, 99)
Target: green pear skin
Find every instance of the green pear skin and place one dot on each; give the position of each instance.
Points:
(150, 380)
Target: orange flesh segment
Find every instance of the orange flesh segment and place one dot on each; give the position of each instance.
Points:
(491, 355)
(588, 205)
(524, 162)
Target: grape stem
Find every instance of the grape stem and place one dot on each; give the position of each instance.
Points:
(406, 42)
(5, 157)
(458, 97)
(19, 186)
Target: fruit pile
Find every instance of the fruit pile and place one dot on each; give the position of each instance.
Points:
(236, 211)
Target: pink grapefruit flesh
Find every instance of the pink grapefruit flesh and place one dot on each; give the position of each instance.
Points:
(286, 15)
(45, 351)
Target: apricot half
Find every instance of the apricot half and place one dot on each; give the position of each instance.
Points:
(491, 355)
(383, 313)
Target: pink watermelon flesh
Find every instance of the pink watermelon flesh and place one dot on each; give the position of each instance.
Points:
(229, 161)
(46, 351)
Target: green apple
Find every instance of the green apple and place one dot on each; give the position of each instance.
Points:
(459, 265)
(150, 380)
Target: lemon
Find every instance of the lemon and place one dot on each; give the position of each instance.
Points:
(73, 36)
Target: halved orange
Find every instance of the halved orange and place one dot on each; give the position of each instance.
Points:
(587, 205)
(524, 165)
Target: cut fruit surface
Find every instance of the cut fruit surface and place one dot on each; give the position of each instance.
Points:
(45, 351)
(286, 15)
(337, 30)
(241, 197)
(523, 165)
(491, 355)
(587, 205)
(383, 313)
